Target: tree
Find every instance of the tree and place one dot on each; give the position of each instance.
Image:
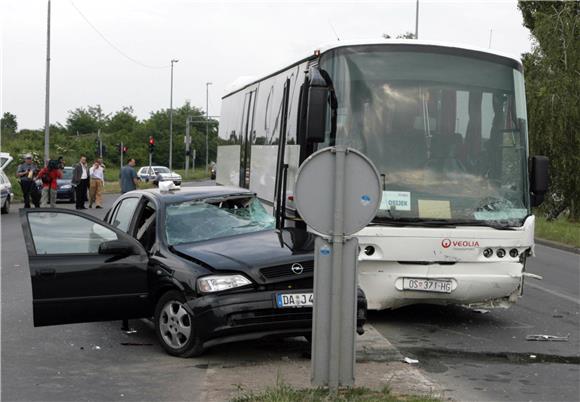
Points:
(553, 93)
(8, 124)
(123, 120)
(84, 121)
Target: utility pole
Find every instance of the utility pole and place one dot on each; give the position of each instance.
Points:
(47, 98)
(490, 36)
(171, 118)
(207, 84)
(100, 144)
(121, 152)
(417, 20)
(187, 145)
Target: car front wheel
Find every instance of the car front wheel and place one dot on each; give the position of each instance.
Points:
(174, 326)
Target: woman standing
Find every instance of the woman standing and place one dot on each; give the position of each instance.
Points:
(97, 175)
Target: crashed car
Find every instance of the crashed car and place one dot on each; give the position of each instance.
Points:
(205, 262)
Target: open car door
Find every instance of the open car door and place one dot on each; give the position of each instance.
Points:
(83, 269)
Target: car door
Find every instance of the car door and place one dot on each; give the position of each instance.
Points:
(83, 269)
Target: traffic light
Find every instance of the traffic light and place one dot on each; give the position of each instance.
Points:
(125, 149)
(151, 144)
(118, 148)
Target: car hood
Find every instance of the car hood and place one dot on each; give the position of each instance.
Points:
(164, 175)
(266, 256)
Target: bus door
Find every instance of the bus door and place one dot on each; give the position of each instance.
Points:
(247, 136)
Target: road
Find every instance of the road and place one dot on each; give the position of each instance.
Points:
(485, 357)
(474, 356)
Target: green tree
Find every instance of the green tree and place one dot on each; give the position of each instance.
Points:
(124, 119)
(8, 124)
(553, 94)
(86, 120)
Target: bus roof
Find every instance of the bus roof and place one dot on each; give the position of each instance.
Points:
(246, 81)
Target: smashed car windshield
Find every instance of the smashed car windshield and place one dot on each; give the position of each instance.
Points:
(194, 221)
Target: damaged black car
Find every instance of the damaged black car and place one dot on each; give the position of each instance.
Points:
(205, 263)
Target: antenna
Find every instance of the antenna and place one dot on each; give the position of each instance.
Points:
(490, 36)
(333, 30)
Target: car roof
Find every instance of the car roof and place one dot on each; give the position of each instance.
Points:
(191, 193)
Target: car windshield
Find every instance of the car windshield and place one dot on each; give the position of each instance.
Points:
(67, 173)
(446, 132)
(161, 169)
(194, 221)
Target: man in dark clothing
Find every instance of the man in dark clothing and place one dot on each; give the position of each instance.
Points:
(128, 177)
(26, 172)
(80, 180)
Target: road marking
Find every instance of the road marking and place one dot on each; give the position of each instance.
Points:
(555, 293)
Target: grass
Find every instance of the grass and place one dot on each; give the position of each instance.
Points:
(285, 393)
(560, 230)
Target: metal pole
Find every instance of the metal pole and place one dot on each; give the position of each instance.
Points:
(207, 84)
(47, 98)
(171, 118)
(121, 152)
(100, 144)
(187, 146)
(417, 20)
(490, 36)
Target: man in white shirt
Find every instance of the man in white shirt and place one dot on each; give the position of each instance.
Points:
(80, 180)
(97, 175)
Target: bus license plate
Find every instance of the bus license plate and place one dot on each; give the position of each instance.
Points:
(427, 285)
(294, 300)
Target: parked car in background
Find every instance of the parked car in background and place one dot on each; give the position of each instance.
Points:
(205, 262)
(65, 190)
(5, 192)
(155, 174)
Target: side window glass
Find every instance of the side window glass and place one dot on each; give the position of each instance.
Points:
(145, 227)
(61, 233)
(124, 213)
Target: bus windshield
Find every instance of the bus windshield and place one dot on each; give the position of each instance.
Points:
(446, 132)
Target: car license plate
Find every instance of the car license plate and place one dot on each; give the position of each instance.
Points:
(294, 300)
(427, 285)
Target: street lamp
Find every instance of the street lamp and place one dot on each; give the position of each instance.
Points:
(207, 84)
(171, 118)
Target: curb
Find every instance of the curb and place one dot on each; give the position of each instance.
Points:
(558, 245)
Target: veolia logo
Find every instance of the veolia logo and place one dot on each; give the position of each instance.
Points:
(446, 243)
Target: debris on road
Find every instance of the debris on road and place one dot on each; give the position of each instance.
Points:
(410, 361)
(541, 337)
(96, 347)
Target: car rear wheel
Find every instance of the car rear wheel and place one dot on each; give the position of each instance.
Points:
(6, 207)
(174, 326)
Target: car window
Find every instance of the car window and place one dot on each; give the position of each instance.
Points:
(62, 233)
(161, 169)
(193, 221)
(124, 213)
(67, 173)
(145, 226)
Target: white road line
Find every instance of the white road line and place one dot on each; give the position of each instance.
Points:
(553, 292)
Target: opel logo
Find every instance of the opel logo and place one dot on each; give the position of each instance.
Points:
(297, 268)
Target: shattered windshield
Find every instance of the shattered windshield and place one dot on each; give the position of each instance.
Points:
(447, 132)
(194, 221)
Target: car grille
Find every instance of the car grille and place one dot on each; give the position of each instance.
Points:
(281, 271)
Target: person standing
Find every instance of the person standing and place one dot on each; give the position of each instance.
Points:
(49, 176)
(25, 173)
(128, 177)
(80, 180)
(97, 177)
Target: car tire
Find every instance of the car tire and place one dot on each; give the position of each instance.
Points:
(174, 327)
(6, 207)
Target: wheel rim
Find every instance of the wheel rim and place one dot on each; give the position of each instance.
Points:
(175, 324)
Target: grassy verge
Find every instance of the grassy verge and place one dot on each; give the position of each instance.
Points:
(285, 393)
(560, 230)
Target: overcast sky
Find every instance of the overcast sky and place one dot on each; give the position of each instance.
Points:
(215, 41)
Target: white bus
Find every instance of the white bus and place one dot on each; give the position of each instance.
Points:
(445, 126)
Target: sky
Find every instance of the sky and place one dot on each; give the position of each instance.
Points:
(117, 53)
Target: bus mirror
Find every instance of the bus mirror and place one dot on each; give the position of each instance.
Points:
(539, 179)
(316, 114)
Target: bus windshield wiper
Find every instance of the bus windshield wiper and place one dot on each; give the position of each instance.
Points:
(392, 221)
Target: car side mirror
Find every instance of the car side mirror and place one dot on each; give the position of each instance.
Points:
(539, 179)
(116, 247)
(318, 93)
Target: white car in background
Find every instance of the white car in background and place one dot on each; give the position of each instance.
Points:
(5, 186)
(156, 174)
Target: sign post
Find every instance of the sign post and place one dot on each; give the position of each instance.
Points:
(349, 200)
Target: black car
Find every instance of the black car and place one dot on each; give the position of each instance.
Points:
(65, 189)
(205, 262)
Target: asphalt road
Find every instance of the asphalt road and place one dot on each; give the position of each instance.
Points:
(474, 356)
(486, 357)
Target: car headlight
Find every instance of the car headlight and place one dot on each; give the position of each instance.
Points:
(217, 283)
(66, 186)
